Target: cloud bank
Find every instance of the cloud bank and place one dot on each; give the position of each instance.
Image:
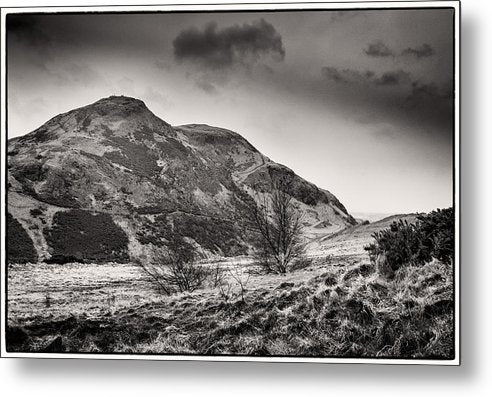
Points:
(368, 77)
(423, 51)
(393, 95)
(218, 49)
(378, 49)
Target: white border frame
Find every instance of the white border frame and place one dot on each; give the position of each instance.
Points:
(243, 7)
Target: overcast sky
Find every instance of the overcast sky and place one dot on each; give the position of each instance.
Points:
(358, 102)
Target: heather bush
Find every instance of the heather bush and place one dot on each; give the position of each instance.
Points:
(81, 236)
(403, 243)
(215, 235)
(438, 229)
(20, 248)
(211, 233)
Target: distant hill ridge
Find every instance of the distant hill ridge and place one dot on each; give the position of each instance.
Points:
(111, 181)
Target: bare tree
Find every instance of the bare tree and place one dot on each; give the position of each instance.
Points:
(217, 275)
(218, 279)
(279, 225)
(241, 277)
(231, 280)
(171, 272)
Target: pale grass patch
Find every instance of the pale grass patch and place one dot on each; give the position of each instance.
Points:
(168, 343)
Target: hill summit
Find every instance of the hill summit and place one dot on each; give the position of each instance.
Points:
(111, 181)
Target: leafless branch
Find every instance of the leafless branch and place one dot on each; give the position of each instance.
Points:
(279, 224)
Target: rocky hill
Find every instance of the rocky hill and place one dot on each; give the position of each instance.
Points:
(111, 181)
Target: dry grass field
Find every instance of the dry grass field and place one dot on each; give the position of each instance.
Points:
(337, 306)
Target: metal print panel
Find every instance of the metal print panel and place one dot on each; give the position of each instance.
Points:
(249, 182)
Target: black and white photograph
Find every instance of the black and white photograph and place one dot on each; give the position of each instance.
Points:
(245, 182)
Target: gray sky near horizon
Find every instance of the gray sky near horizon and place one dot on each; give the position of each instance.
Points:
(358, 102)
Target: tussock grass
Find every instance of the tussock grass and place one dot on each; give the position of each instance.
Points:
(346, 312)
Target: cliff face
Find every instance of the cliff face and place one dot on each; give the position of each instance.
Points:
(111, 180)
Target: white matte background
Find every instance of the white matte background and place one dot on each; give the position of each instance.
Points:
(44, 377)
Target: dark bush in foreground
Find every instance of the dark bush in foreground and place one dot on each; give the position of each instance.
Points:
(431, 236)
(81, 236)
(20, 248)
(438, 230)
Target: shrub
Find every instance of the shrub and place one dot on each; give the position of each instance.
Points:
(438, 229)
(82, 236)
(35, 212)
(211, 233)
(216, 235)
(399, 244)
(20, 248)
(160, 233)
(173, 273)
(431, 236)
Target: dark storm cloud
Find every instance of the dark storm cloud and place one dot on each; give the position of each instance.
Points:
(27, 29)
(368, 77)
(347, 76)
(393, 78)
(29, 43)
(431, 102)
(215, 48)
(429, 94)
(378, 49)
(423, 51)
(391, 95)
